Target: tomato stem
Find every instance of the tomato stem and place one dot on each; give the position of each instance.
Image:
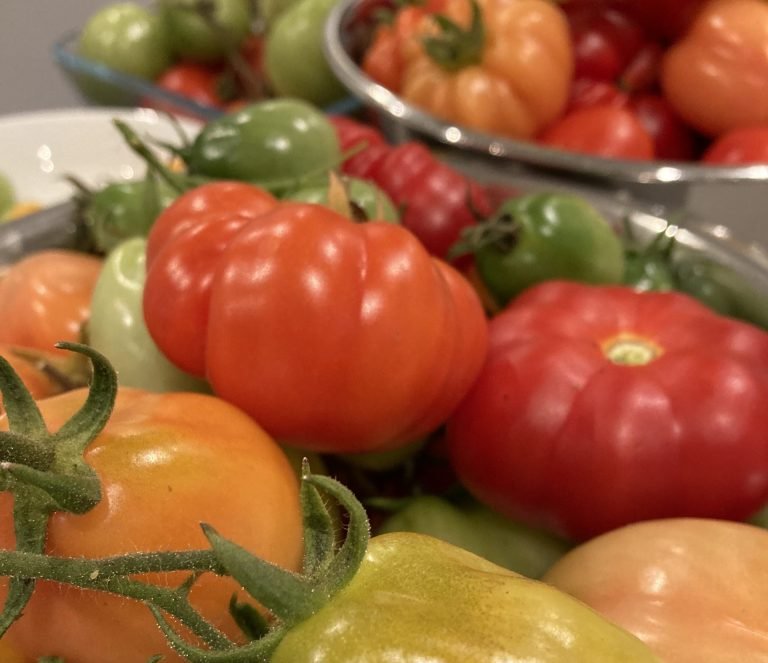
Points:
(629, 350)
(454, 47)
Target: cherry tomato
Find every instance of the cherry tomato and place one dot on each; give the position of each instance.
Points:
(46, 297)
(200, 83)
(604, 131)
(166, 463)
(672, 138)
(742, 146)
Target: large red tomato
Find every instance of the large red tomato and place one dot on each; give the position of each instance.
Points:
(333, 335)
(601, 406)
(167, 462)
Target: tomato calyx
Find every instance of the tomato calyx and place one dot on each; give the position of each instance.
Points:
(454, 47)
(502, 231)
(629, 349)
(46, 471)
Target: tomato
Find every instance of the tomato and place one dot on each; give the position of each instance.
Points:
(293, 139)
(116, 324)
(319, 308)
(121, 210)
(166, 462)
(200, 83)
(741, 146)
(672, 138)
(294, 61)
(9, 654)
(417, 598)
(45, 298)
(605, 131)
(193, 38)
(599, 406)
(605, 40)
(714, 76)
(543, 236)
(693, 590)
(128, 38)
(476, 528)
(504, 68)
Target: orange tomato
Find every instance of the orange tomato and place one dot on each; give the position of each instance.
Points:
(519, 85)
(167, 462)
(715, 76)
(46, 297)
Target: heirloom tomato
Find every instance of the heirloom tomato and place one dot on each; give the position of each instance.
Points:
(166, 462)
(45, 298)
(319, 308)
(714, 76)
(501, 67)
(599, 406)
(692, 589)
(415, 598)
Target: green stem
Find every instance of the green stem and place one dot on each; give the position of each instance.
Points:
(454, 47)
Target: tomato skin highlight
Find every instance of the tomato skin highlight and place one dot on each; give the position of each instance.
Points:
(555, 433)
(166, 463)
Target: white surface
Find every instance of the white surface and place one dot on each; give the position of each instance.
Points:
(39, 149)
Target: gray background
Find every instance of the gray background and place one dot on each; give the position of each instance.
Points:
(30, 80)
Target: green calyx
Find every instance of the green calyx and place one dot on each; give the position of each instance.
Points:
(502, 231)
(454, 47)
(46, 471)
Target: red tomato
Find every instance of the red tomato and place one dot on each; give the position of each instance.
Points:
(46, 297)
(166, 463)
(693, 590)
(605, 131)
(587, 92)
(601, 406)
(742, 146)
(200, 83)
(320, 309)
(672, 138)
(605, 40)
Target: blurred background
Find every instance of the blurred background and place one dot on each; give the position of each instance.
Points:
(29, 76)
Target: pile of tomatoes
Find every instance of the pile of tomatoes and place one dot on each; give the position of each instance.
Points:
(652, 80)
(521, 397)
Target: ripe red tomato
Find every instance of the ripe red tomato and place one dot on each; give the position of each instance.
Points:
(203, 84)
(166, 463)
(600, 406)
(605, 131)
(742, 146)
(45, 298)
(320, 309)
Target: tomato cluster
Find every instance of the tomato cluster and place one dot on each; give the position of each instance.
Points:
(218, 54)
(547, 391)
(609, 78)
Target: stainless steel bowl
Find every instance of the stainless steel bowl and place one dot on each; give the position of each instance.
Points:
(733, 198)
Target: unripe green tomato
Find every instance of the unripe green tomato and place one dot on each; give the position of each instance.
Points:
(279, 144)
(369, 198)
(116, 327)
(192, 38)
(125, 37)
(293, 56)
(476, 528)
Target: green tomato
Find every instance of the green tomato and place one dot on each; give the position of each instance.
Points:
(269, 10)
(193, 38)
(280, 144)
(7, 195)
(364, 197)
(122, 210)
(476, 528)
(127, 38)
(116, 327)
(293, 54)
(545, 236)
(416, 598)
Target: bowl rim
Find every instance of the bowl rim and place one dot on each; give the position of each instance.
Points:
(500, 149)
